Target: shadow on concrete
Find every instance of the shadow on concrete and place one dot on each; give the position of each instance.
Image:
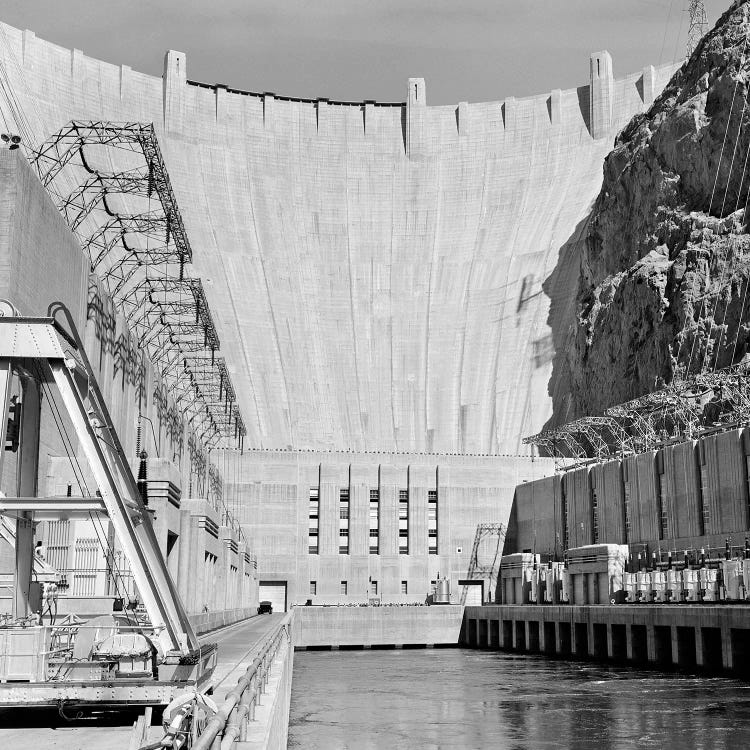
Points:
(561, 286)
(73, 718)
(584, 104)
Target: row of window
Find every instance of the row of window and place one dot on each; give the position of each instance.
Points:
(374, 522)
(344, 588)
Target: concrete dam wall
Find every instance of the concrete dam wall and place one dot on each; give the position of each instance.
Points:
(383, 276)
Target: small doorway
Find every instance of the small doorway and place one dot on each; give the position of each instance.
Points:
(274, 592)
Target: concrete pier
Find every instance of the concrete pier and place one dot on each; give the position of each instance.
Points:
(713, 638)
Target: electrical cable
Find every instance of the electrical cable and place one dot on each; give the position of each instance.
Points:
(721, 285)
(710, 204)
(677, 40)
(666, 28)
(725, 256)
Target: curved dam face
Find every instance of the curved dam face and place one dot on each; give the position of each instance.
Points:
(383, 277)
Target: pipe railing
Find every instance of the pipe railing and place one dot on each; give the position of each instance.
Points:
(230, 723)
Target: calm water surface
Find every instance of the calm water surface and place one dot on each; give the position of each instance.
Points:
(458, 698)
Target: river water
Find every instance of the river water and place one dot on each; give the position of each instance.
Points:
(461, 698)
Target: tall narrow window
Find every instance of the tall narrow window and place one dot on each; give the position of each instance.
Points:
(344, 522)
(404, 587)
(344, 588)
(663, 504)
(432, 522)
(373, 588)
(594, 516)
(626, 495)
(403, 522)
(374, 522)
(704, 520)
(313, 588)
(314, 521)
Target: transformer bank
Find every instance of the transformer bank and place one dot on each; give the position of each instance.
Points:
(686, 496)
(644, 559)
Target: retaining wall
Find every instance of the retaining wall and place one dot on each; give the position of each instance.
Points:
(270, 729)
(205, 622)
(377, 626)
(689, 637)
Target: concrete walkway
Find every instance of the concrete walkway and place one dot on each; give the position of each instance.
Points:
(110, 730)
(237, 648)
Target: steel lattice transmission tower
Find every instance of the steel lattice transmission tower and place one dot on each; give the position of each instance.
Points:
(486, 572)
(698, 24)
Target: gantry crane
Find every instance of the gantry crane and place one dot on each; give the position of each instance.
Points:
(95, 662)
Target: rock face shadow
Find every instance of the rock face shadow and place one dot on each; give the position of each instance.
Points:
(561, 287)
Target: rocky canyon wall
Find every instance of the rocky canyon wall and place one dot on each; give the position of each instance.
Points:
(663, 285)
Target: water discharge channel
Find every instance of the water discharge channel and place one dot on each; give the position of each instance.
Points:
(459, 698)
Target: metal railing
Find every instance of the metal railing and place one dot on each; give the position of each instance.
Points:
(230, 723)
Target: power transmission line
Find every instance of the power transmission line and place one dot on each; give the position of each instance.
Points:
(698, 24)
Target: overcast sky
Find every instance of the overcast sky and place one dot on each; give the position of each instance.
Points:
(471, 50)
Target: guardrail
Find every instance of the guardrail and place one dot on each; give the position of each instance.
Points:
(230, 723)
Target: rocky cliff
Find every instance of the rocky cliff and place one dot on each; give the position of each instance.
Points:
(665, 268)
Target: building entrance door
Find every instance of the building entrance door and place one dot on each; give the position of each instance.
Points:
(274, 592)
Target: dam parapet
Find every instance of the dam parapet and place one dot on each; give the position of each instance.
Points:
(191, 107)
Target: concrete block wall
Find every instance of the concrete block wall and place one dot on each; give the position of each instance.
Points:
(606, 480)
(274, 487)
(536, 517)
(376, 626)
(40, 263)
(578, 494)
(723, 459)
(683, 488)
(642, 492)
(213, 569)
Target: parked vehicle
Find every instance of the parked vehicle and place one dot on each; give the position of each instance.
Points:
(265, 608)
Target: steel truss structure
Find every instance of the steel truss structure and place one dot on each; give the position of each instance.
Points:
(698, 24)
(685, 409)
(489, 572)
(112, 186)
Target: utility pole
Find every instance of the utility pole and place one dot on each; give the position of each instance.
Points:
(698, 24)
